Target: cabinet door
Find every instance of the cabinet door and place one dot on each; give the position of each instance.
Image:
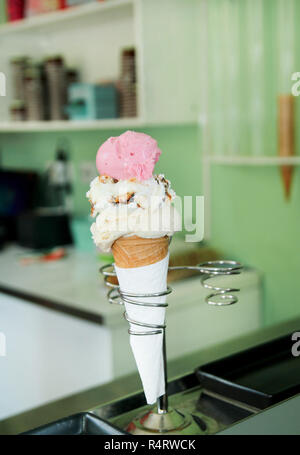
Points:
(48, 355)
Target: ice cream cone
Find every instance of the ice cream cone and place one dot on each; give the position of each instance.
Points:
(287, 175)
(286, 138)
(127, 181)
(136, 251)
(142, 266)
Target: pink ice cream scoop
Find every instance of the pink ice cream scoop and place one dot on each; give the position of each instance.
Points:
(130, 155)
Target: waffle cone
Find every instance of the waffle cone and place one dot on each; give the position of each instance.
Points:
(136, 251)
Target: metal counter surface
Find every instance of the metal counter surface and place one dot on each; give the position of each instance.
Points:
(282, 419)
(124, 386)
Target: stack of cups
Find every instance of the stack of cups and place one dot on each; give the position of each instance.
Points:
(34, 94)
(18, 67)
(56, 87)
(128, 104)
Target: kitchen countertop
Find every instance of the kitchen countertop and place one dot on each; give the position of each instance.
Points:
(73, 285)
(124, 386)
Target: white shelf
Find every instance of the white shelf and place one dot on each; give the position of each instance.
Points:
(254, 160)
(64, 15)
(68, 125)
(71, 125)
(90, 37)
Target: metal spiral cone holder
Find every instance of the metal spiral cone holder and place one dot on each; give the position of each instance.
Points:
(164, 419)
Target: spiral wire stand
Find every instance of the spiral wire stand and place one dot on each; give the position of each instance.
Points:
(165, 419)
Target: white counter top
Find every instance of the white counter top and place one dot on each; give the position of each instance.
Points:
(74, 282)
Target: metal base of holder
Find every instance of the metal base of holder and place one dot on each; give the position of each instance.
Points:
(171, 422)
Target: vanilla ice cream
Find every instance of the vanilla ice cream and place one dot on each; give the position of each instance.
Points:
(135, 205)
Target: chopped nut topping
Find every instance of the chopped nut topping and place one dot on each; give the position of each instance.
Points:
(161, 179)
(124, 198)
(107, 179)
(92, 207)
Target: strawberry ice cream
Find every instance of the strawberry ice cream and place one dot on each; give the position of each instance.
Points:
(130, 155)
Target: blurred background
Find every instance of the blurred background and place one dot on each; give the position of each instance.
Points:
(212, 82)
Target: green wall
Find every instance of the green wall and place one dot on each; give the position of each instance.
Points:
(2, 12)
(252, 222)
(180, 160)
(250, 61)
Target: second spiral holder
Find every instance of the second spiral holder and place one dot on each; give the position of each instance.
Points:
(163, 419)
